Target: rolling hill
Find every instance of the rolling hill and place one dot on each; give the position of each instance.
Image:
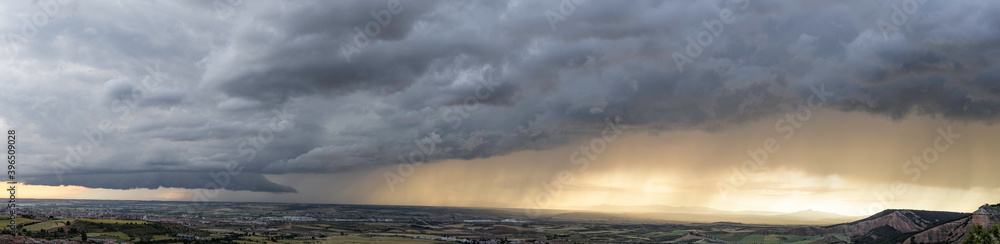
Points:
(916, 226)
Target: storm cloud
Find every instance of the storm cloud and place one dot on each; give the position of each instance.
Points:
(162, 93)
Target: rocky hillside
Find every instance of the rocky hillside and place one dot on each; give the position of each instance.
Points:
(954, 231)
(828, 240)
(894, 225)
(912, 226)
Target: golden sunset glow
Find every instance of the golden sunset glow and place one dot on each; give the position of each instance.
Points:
(822, 167)
(553, 121)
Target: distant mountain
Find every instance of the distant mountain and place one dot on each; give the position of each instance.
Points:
(707, 215)
(916, 226)
(814, 215)
(654, 209)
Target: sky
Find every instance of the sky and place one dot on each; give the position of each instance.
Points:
(847, 107)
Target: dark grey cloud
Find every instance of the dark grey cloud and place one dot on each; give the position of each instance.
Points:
(178, 87)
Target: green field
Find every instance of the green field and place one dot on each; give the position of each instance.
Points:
(110, 235)
(5, 222)
(48, 224)
(161, 237)
(759, 238)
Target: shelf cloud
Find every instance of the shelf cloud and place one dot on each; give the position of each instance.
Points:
(179, 89)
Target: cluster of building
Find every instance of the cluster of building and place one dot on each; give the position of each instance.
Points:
(287, 219)
(494, 221)
(41, 211)
(359, 220)
(8, 239)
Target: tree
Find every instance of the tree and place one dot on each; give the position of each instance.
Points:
(978, 235)
(83, 236)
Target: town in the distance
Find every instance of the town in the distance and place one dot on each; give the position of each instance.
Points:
(123, 221)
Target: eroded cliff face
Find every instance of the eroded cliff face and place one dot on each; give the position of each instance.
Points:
(987, 215)
(950, 232)
(900, 220)
(894, 225)
(954, 231)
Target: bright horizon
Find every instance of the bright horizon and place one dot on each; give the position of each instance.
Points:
(788, 187)
(841, 107)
